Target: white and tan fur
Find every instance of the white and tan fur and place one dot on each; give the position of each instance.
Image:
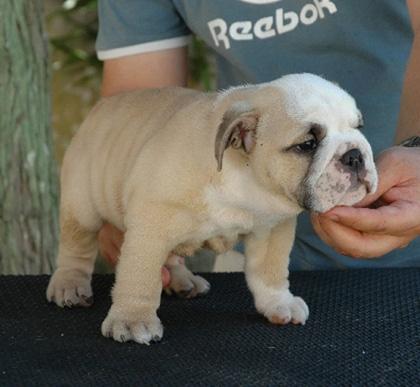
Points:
(145, 162)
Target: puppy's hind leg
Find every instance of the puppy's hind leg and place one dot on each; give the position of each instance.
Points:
(183, 282)
(70, 284)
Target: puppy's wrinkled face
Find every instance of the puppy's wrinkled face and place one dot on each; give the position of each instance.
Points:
(308, 145)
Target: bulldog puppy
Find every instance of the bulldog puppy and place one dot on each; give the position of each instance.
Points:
(177, 169)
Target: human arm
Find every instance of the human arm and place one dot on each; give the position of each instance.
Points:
(409, 119)
(147, 70)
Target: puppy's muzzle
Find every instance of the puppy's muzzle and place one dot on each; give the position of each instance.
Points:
(347, 176)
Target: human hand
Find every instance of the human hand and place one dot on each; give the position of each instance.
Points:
(384, 220)
(110, 240)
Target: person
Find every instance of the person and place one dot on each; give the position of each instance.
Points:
(372, 49)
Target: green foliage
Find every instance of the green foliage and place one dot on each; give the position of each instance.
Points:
(200, 66)
(75, 46)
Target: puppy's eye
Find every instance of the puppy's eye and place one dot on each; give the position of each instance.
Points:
(307, 146)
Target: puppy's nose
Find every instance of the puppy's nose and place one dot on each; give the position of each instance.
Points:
(353, 159)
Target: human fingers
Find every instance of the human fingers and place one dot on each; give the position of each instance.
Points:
(396, 218)
(354, 243)
(166, 277)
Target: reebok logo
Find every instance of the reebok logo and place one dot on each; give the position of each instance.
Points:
(269, 26)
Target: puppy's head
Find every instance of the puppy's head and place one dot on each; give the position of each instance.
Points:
(300, 136)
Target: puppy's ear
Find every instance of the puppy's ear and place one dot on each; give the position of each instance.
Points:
(237, 129)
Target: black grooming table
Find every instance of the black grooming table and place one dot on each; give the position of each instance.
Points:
(363, 329)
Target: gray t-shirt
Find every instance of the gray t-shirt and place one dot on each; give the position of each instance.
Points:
(363, 45)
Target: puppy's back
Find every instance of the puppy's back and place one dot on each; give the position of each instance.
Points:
(116, 133)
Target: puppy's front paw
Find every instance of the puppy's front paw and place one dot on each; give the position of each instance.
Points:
(281, 307)
(69, 287)
(295, 311)
(140, 330)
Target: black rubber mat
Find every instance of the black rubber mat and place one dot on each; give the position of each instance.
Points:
(363, 329)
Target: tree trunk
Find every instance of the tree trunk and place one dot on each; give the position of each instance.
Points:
(28, 184)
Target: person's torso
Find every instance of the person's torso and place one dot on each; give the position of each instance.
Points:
(363, 45)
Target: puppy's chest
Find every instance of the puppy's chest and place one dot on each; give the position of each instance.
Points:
(233, 209)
